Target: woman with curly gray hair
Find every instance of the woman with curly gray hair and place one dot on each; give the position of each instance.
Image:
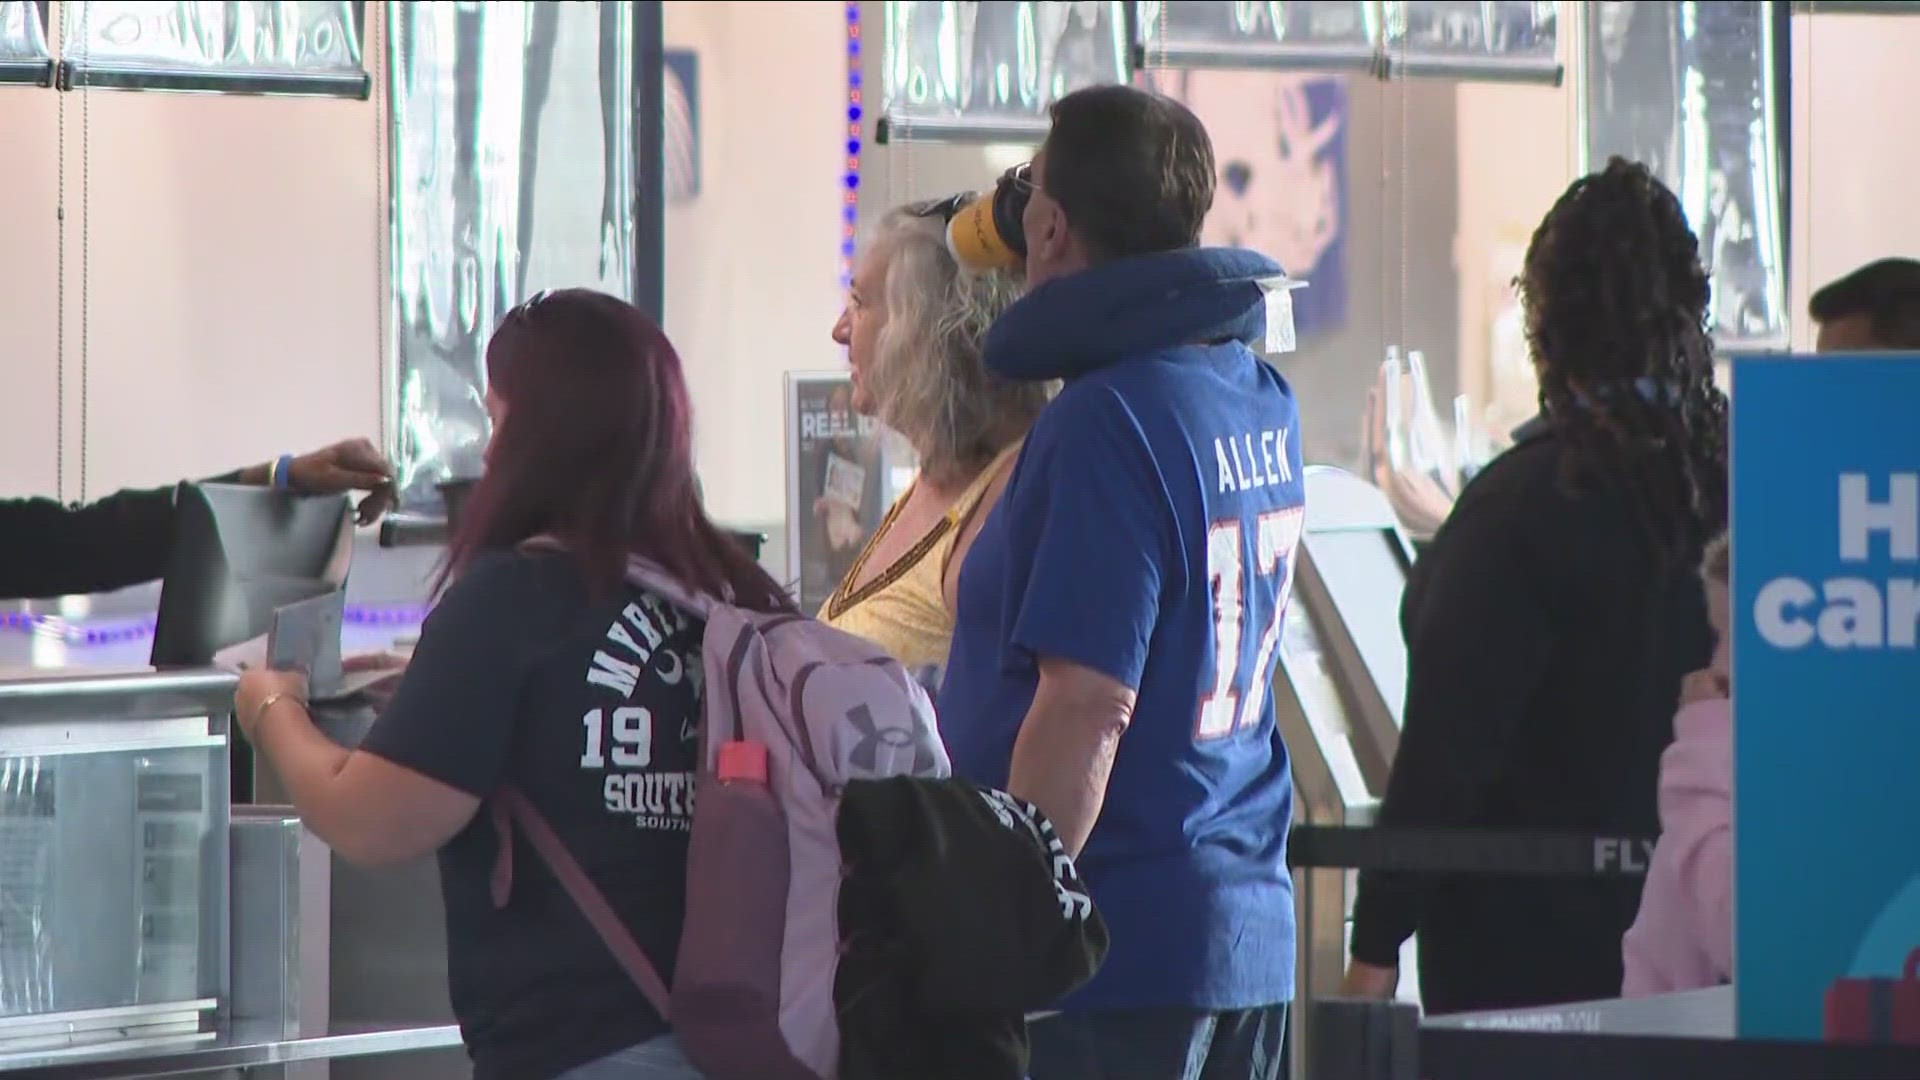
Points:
(913, 327)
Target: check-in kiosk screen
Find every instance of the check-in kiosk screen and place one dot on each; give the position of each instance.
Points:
(1365, 575)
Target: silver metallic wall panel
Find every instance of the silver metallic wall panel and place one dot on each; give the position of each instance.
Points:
(23, 43)
(1856, 7)
(253, 46)
(1692, 89)
(501, 112)
(986, 71)
(1282, 35)
(1512, 40)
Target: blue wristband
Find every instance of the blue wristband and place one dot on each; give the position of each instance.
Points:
(283, 473)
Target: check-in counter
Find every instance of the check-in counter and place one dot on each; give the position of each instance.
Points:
(146, 927)
(1337, 693)
(384, 962)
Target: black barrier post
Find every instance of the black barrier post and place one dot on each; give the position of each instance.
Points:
(1362, 1040)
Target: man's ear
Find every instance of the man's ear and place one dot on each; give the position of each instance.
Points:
(1055, 238)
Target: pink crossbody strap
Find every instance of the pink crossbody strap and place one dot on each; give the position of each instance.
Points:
(511, 808)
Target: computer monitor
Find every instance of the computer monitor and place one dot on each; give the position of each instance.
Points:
(1365, 571)
(1352, 567)
(239, 554)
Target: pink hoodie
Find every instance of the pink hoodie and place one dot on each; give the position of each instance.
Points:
(1683, 939)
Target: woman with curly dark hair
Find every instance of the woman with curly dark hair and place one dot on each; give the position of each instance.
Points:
(1551, 623)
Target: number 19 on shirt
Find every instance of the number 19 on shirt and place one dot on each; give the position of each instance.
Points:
(1230, 706)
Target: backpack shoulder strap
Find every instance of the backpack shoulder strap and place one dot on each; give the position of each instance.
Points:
(648, 575)
(511, 808)
(644, 573)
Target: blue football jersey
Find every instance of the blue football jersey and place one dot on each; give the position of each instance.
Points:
(1148, 531)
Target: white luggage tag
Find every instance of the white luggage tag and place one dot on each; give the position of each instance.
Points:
(1279, 292)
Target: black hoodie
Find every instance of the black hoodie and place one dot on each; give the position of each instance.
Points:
(50, 548)
(961, 913)
(1546, 642)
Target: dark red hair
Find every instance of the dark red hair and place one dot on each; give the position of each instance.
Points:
(596, 451)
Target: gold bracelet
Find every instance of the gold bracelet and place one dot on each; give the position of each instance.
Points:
(260, 713)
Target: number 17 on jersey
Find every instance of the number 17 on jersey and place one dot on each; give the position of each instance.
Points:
(1246, 592)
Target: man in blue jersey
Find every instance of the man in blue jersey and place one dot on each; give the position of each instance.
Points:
(1119, 613)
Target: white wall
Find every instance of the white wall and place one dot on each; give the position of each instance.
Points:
(1856, 148)
(228, 246)
(1504, 192)
(753, 262)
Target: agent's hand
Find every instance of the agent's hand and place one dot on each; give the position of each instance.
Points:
(351, 465)
(1704, 685)
(378, 693)
(375, 661)
(1370, 982)
(260, 689)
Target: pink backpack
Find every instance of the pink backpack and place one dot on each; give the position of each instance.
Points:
(753, 990)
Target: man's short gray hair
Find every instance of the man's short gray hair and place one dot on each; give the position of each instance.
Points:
(927, 376)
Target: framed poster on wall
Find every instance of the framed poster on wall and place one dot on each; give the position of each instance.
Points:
(843, 471)
(1280, 153)
(680, 87)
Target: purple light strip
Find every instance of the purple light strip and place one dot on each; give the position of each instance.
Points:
(850, 207)
(74, 633)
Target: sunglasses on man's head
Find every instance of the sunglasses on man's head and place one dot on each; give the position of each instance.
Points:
(944, 209)
(1020, 178)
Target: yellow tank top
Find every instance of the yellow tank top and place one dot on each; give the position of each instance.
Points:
(903, 609)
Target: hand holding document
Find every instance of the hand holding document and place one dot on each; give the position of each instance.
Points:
(305, 637)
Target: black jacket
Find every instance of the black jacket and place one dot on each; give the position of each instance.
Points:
(960, 914)
(48, 548)
(1546, 642)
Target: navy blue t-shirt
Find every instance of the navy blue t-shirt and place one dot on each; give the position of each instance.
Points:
(1148, 532)
(591, 707)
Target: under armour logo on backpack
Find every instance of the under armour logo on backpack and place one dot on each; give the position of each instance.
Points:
(865, 755)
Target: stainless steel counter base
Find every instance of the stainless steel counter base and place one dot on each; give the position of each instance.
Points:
(244, 1045)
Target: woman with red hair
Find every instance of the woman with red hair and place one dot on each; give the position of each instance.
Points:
(541, 668)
